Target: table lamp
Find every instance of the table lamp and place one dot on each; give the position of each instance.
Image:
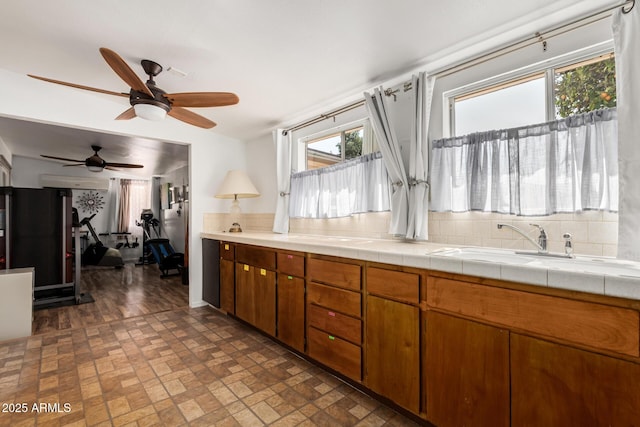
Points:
(236, 185)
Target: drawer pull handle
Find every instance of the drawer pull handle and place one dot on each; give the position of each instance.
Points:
(226, 247)
(332, 337)
(290, 277)
(331, 313)
(263, 272)
(246, 267)
(289, 256)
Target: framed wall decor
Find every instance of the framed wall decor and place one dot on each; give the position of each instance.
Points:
(176, 195)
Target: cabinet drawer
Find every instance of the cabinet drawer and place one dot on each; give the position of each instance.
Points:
(227, 251)
(258, 257)
(397, 285)
(585, 323)
(340, 300)
(335, 273)
(291, 264)
(334, 323)
(336, 353)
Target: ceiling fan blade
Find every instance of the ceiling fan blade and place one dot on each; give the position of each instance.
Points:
(75, 164)
(63, 158)
(202, 99)
(127, 114)
(93, 89)
(121, 165)
(190, 117)
(125, 72)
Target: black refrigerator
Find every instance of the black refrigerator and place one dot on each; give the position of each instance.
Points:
(35, 231)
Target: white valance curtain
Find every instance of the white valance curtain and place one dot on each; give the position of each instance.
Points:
(568, 165)
(283, 173)
(355, 186)
(626, 35)
(409, 200)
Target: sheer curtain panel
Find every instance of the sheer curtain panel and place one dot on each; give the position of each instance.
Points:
(283, 177)
(388, 142)
(626, 36)
(355, 186)
(568, 165)
(114, 203)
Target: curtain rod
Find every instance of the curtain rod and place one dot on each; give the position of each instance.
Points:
(627, 6)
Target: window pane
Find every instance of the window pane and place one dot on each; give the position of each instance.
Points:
(353, 143)
(584, 87)
(323, 152)
(513, 106)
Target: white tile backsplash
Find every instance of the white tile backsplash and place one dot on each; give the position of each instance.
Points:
(593, 232)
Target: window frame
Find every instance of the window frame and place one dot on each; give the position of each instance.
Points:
(327, 133)
(546, 67)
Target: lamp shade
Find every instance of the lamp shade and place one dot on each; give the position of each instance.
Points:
(236, 184)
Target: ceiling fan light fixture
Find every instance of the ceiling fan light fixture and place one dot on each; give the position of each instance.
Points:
(150, 112)
(95, 168)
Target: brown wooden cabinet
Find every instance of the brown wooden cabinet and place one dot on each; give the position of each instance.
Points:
(466, 369)
(227, 277)
(291, 291)
(256, 287)
(227, 286)
(392, 337)
(556, 385)
(454, 349)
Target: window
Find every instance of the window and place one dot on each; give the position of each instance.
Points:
(540, 143)
(134, 197)
(562, 90)
(334, 148)
(512, 104)
(586, 86)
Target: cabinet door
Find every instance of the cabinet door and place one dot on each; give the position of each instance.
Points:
(291, 311)
(466, 373)
(256, 297)
(245, 293)
(556, 385)
(393, 351)
(227, 286)
(265, 300)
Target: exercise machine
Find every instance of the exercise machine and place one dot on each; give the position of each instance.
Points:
(158, 249)
(148, 223)
(97, 253)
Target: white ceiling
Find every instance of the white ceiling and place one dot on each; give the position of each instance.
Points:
(285, 59)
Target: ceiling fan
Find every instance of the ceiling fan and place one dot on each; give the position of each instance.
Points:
(149, 101)
(95, 163)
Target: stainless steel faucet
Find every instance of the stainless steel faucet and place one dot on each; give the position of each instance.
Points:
(541, 244)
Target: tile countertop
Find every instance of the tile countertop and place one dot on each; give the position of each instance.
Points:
(598, 275)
